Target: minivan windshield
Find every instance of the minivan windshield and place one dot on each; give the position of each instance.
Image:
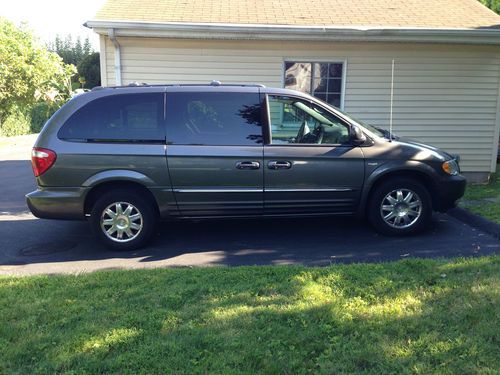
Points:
(373, 129)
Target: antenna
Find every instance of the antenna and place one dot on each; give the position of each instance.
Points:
(392, 96)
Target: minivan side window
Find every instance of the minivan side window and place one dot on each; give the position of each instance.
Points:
(295, 121)
(213, 118)
(122, 118)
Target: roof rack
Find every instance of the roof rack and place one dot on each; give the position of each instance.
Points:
(213, 83)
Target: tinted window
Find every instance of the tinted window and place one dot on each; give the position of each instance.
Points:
(213, 119)
(128, 117)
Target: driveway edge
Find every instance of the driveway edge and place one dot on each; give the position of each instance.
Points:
(476, 221)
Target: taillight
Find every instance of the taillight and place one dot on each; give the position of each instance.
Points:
(41, 160)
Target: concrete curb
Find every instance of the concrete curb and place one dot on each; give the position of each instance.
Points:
(476, 221)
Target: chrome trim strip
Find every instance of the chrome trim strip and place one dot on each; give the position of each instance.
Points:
(307, 190)
(218, 190)
(260, 190)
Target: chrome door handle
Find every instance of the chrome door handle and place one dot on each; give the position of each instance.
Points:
(279, 164)
(248, 165)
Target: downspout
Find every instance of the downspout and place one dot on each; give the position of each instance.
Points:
(118, 63)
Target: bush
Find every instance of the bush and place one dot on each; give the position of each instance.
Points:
(16, 123)
(40, 113)
(29, 73)
(27, 121)
(89, 70)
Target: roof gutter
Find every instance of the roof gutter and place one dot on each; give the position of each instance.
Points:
(286, 32)
(118, 61)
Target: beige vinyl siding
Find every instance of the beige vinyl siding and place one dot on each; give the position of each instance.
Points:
(443, 95)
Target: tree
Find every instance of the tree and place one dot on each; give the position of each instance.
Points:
(71, 52)
(89, 70)
(87, 48)
(28, 72)
(494, 5)
(81, 55)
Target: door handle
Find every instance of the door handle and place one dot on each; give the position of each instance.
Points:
(248, 165)
(279, 164)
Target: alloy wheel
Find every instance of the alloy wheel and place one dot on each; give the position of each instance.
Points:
(401, 208)
(121, 222)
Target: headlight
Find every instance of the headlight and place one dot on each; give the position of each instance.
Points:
(451, 167)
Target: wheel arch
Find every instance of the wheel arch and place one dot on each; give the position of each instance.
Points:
(105, 186)
(420, 175)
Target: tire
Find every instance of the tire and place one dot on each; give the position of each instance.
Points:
(392, 211)
(131, 229)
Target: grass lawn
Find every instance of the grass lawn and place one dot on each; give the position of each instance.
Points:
(412, 316)
(477, 196)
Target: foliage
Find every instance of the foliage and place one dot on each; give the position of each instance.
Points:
(31, 120)
(18, 122)
(28, 72)
(80, 55)
(492, 4)
(40, 113)
(89, 71)
(412, 316)
(71, 52)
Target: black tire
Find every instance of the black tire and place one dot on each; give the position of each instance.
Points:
(416, 223)
(147, 220)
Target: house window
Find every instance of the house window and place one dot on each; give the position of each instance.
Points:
(320, 79)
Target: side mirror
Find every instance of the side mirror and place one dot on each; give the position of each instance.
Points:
(357, 136)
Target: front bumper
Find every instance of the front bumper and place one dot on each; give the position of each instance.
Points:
(57, 203)
(450, 190)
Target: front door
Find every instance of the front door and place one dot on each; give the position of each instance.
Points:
(215, 152)
(309, 165)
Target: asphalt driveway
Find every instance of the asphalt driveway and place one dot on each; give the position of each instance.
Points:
(30, 246)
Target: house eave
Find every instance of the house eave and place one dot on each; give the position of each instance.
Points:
(303, 33)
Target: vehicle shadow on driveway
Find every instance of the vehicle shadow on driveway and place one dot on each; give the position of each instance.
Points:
(308, 241)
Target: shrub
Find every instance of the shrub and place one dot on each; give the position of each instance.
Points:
(40, 113)
(16, 123)
(28, 74)
(90, 71)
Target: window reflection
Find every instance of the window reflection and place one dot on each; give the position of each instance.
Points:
(321, 79)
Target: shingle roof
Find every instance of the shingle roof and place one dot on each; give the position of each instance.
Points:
(449, 14)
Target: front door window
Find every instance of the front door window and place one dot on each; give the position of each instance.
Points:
(295, 121)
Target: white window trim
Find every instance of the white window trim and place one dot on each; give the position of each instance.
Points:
(302, 59)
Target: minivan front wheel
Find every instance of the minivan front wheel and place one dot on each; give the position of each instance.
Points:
(399, 207)
(123, 220)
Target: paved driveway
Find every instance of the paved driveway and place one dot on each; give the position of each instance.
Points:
(29, 245)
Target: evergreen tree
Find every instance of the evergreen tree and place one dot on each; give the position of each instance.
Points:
(80, 54)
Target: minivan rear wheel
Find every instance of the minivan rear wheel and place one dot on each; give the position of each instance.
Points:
(123, 220)
(400, 207)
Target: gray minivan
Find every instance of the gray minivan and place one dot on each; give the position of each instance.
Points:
(124, 157)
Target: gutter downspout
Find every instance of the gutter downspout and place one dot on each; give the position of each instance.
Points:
(118, 63)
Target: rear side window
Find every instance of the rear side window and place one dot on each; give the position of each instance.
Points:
(126, 118)
(221, 118)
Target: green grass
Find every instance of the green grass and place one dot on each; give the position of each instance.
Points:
(481, 191)
(411, 316)
(476, 198)
(489, 210)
